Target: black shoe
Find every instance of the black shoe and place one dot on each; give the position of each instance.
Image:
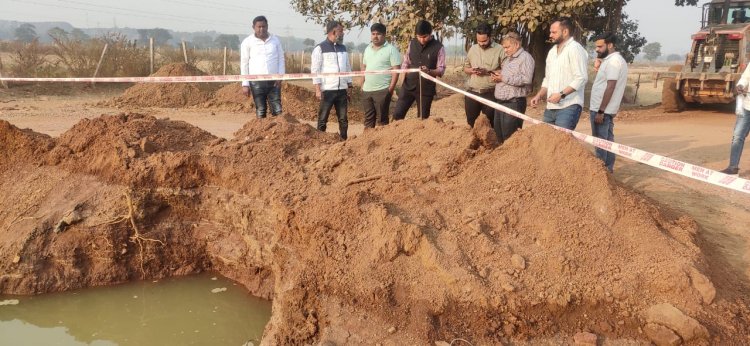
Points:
(730, 170)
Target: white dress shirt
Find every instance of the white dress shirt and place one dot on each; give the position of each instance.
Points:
(261, 57)
(566, 68)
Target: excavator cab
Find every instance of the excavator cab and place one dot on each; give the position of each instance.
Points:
(716, 60)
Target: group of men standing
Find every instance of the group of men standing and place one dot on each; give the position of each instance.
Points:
(500, 73)
(424, 52)
(505, 77)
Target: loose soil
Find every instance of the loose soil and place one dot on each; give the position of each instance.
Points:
(296, 100)
(411, 233)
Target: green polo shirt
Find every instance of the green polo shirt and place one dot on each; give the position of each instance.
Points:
(382, 58)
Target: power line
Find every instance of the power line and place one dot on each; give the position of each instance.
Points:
(112, 10)
(118, 11)
(163, 16)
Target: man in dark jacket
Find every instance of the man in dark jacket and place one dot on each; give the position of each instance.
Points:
(330, 56)
(427, 54)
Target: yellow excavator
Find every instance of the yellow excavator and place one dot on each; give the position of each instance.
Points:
(717, 58)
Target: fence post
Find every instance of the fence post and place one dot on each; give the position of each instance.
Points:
(225, 60)
(1, 75)
(184, 52)
(637, 86)
(151, 54)
(99, 64)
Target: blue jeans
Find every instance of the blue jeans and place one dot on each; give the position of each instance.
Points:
(266, 91)
(566, 117)
(741, 129)
(604, 130)
(339, 100)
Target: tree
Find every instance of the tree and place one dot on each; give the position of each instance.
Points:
(674, 57)
(160, 36)
(25, 33)
(630, 42)
(202, 41)
(78, 34)
(461, 17)
(652, 51)
(230, 41)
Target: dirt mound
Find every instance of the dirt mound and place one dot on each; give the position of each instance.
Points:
(18, 145)
(134, 149)
(177, 70)
(167, 94)
(412, 233)
(230, 97)
(297, 101)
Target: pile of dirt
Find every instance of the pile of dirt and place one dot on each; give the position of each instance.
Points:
(230, 97)
(134, 149)
(167, 94)
(21, 145)
(412, 233)
(297, 101)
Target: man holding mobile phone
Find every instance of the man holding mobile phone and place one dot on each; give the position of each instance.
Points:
(513, 85)
(427, 54)
(482, 59)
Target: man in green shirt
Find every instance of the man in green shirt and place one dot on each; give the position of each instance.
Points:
(482, 59)
(378, 88)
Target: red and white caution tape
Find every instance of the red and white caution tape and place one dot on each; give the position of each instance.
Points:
(662, 162)
(195, 79)
(651, 159)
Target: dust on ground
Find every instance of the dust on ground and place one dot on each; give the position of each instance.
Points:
(411, 233)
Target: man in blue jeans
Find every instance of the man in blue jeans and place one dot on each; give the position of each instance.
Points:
(261, 53)
(741, 126)
(565, 77)
(606, 93)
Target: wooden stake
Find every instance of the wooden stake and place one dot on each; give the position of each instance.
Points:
(225, 60)
(184, 52)
(151, 54)
(99, 64)
(1, 75)
(637, 86)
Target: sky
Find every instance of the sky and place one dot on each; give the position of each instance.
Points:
(659, 20)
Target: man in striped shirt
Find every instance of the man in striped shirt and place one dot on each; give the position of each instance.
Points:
(564, 77)
(513, 84)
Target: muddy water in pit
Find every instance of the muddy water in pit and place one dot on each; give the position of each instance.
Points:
(204, 309)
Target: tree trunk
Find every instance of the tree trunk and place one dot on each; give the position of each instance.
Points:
(538, 48)
(615, 19)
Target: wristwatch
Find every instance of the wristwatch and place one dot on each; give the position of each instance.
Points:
(563, 94)
(600, 112)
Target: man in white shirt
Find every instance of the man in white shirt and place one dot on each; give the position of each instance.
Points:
(564, 77)
(606, 93)
(330, 56)
(261, 53)
(741, 125)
